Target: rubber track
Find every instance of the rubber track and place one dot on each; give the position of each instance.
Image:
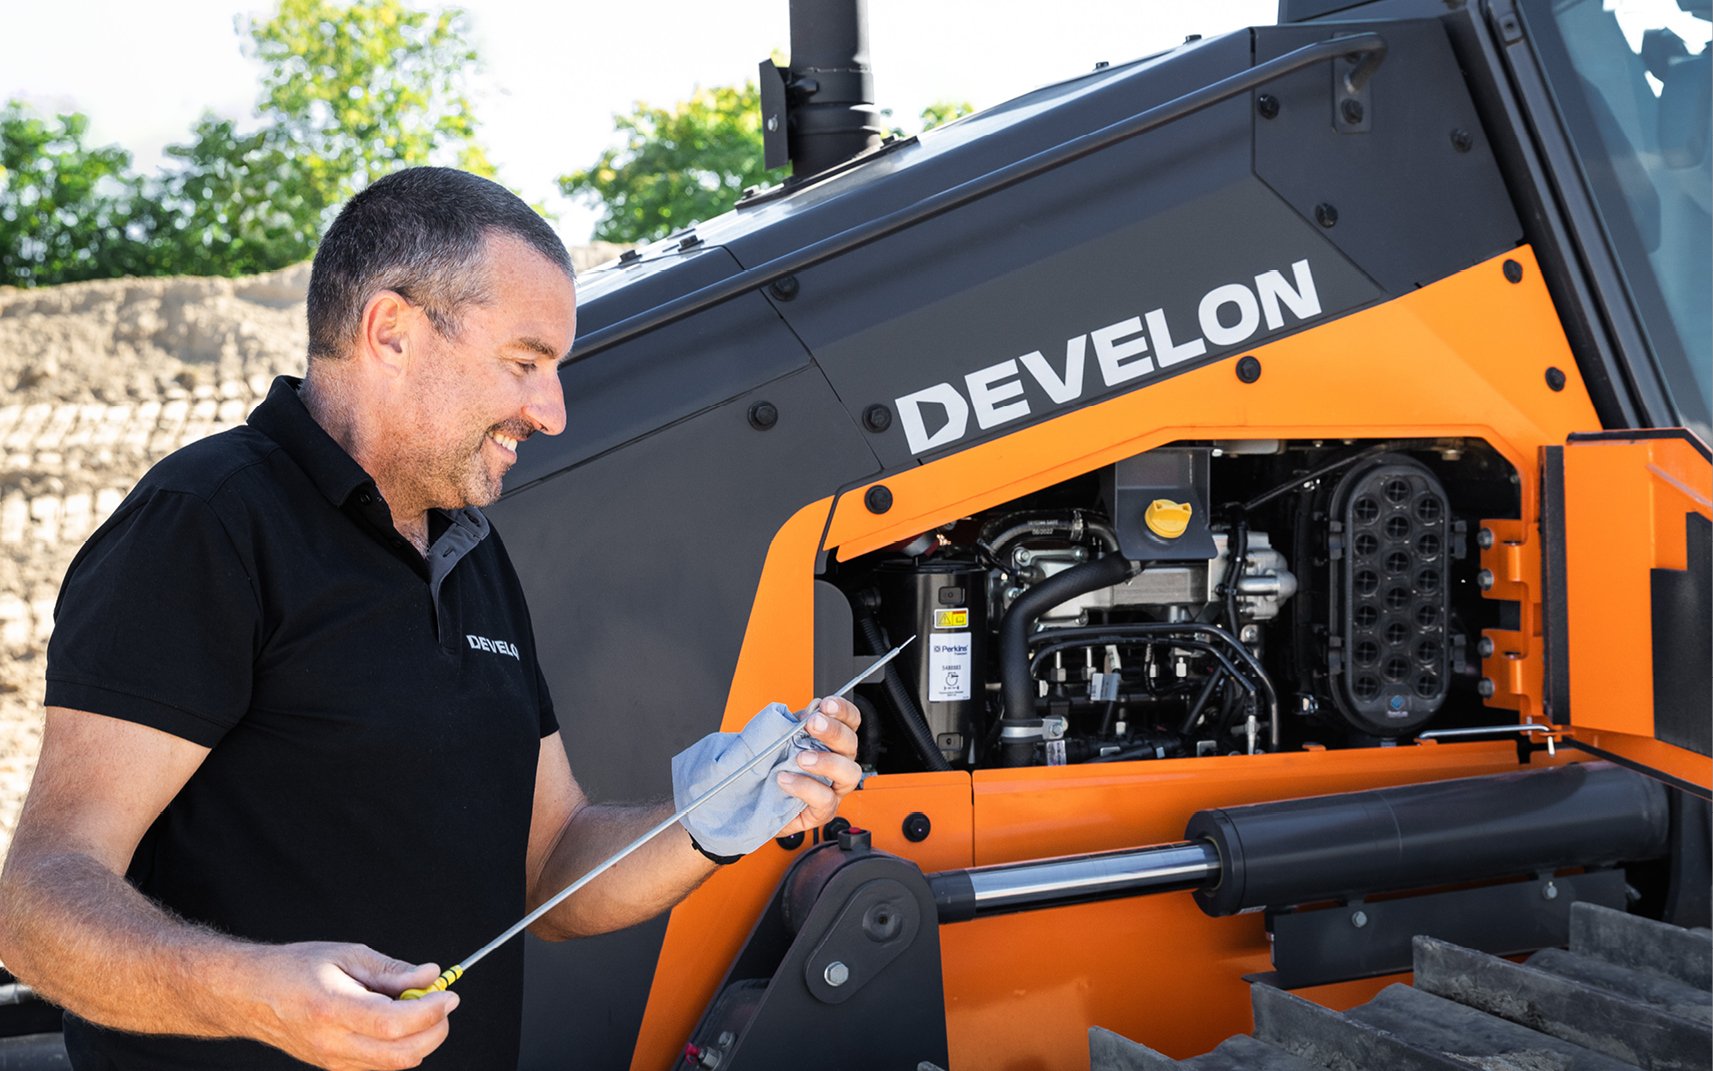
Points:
(1629, 993)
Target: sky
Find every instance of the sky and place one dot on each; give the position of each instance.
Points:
(554, 75)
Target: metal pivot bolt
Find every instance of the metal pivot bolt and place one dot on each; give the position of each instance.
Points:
(1484, 579)
(763, 415)
(882, 923)
(1359, 919)
(1487, 688)
(1549, 891)
(1484, 538)
(836, 974)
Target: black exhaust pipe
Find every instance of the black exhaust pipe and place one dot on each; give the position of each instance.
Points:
(819, 112)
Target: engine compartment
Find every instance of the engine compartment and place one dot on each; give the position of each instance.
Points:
(1203, 598)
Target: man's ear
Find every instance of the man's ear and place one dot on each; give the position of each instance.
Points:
(390, 327)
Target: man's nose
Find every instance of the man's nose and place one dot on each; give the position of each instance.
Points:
(545, 408)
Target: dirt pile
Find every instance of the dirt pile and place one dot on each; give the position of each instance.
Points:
(98, 381)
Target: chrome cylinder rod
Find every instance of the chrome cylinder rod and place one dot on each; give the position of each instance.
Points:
(1007, 887)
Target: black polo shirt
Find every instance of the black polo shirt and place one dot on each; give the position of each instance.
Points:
(375, 717)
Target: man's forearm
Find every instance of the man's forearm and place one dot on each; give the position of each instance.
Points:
(649, 881)
(88, 941)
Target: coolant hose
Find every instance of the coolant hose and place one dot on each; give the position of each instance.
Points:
(1020, 729)
(903, 703)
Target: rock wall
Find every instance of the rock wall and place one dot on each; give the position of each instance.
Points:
(98, 381)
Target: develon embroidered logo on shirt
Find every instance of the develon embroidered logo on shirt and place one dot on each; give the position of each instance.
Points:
(482, 643)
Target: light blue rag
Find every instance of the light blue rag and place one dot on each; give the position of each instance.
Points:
(751, 811)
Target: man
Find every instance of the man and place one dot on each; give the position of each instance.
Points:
(294, 709)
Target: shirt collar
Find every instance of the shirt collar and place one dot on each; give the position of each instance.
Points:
(284, 418)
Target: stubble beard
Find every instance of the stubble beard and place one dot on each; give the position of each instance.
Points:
(463, 476)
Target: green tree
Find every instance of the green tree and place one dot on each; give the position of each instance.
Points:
(942, 111)
(230, 203)
(65, 207)
(676, 166)
(680, 165)
(350, 92)
(353, 91)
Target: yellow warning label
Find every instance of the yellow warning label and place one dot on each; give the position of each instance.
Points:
(959, 618)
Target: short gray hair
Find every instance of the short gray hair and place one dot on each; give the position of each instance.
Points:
(420, 232)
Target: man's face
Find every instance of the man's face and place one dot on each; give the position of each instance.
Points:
(492, 384)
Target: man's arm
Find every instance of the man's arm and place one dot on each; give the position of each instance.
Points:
(568, 835)
(81, 935)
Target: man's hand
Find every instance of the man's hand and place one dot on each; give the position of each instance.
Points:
(780, 786)
(568, 834)
(335, 1006)
(835, 726)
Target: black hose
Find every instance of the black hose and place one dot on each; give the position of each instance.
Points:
(1069, 643)
(1102, 634)
(868, 735)
(1201, 701)
(1236, 557)
(915, 725)
(1019, 727)
(1106, 714)
(1230, 703)
(1046, 523)
(1148, 746)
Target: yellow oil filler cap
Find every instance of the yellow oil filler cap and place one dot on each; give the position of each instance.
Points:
(1167, 519)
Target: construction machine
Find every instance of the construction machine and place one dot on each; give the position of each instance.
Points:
(1290, 453)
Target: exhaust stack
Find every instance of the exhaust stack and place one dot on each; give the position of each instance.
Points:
(819, 112)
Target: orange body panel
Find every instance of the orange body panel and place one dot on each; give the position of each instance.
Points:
(1624, 508)
(1462, 358)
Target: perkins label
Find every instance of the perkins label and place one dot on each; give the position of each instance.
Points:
(959, 618)
(949, 667)
(1130, 349)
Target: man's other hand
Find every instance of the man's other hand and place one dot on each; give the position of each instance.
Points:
(834, 725)
(799, 787)
(335, 1006)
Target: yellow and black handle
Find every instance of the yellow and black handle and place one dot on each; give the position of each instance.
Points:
(441, 984)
